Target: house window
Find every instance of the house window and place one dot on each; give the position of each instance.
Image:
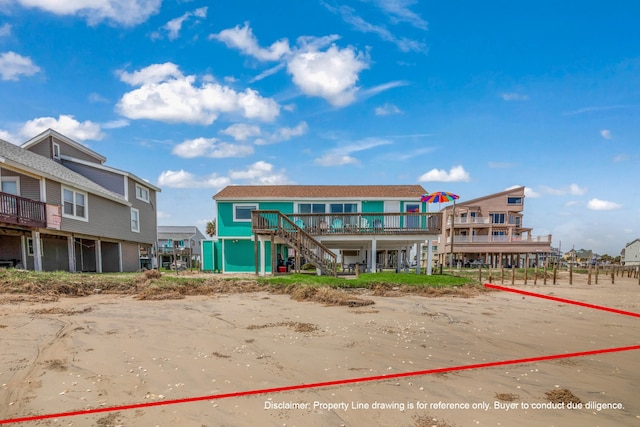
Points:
(30, 251)
(343, 207)
(135, 220)
(56, 151)
(11, 185)
(242, 213)
(142, 193)
(497, 218)
(514, 200)
(312, 208)
(74, 204)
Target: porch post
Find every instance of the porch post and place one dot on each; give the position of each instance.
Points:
(37, 252)
(71, 249)
(98, 256)
(418, 257)
(429, 258)
(120, 257)
(262, 257)
(372, 265)
(274, 267)
(256, 257)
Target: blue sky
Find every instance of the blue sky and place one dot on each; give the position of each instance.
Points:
(468, 97)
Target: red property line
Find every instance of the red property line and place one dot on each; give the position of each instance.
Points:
(566, 301)
(321, 384)
(363, 379)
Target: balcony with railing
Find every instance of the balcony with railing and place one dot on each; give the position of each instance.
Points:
(22, 211)
(409, 223)
(501, 239)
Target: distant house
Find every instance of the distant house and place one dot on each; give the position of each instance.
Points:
(580, 257)
(631, 255)
(367, 225)
(62, 208)
(181, 242)
(490, 230)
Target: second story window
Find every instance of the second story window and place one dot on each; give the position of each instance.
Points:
(135, 220)
(242, 213)
(74, 204)
(514, 200)
(497, 218)
(142, 193)
(56, 151)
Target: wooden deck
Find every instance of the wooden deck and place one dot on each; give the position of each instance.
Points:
(419, 223)
(22, 211)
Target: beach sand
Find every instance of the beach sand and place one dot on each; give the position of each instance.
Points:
(104, 351)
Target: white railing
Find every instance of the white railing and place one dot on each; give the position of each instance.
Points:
(472, 220)
(501, 239)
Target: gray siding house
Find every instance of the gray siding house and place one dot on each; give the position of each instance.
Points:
(182, 242)
(62, 208)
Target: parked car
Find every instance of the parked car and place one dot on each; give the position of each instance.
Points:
(475, 263)
(178, 265)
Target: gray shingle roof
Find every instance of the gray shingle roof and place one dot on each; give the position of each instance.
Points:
(20, 158)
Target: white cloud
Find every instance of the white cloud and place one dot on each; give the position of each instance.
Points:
(165, 94)
(571, 189)
(514, 96)
(13, 65)
(242, 131)
(366, 93)
(284, 134)
(260, 173)
(173, 27)
(65, 124)
(359, 24)
(399, 11)
(183, 179)
(331, 74)
(387, 109)
(528, 191)
(335, 159)
(155, 73)
(342, 155)
(124, 12)
(210, 147)
(606, 133)
(5, 30)
(96, 97)
(243, 39)
(115, 124)
(602, 205)
(455, 174)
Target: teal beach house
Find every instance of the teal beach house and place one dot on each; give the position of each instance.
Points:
(266, 229)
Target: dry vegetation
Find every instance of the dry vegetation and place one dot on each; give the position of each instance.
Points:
(562, 395)
(21, 286)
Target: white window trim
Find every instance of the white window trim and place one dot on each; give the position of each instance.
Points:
(147, 200)
(31, 246)
(15, 179)
(56, 151)
(243, 205)
(138, 215)
(86, 204)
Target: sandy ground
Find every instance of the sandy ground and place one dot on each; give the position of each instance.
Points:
(103, 351)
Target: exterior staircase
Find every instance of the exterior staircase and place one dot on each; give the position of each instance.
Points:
(275, 223)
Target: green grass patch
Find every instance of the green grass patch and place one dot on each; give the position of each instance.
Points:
(367, 280)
